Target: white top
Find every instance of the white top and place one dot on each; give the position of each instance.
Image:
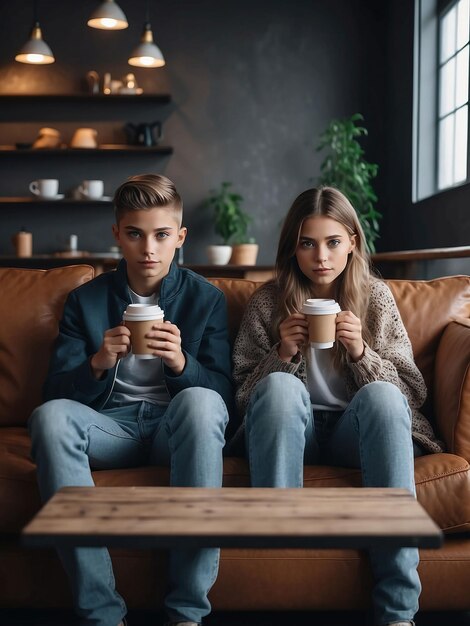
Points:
(140, 379)
(325, 384)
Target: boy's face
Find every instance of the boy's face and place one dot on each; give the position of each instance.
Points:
(148, 240)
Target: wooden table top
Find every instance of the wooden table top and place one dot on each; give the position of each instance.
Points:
(145, 517)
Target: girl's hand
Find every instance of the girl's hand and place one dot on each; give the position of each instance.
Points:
(116, 344)
(294, 334)
(166, 342)
(349, 333)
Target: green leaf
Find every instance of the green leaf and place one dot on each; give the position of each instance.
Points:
(345, 168)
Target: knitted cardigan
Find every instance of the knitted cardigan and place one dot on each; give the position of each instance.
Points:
(389, 357)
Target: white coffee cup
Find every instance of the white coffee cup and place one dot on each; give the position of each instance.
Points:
(45, 187)
(321, 315)
(92, 188)
(139, 319)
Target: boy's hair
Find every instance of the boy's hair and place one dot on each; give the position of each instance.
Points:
(147, 191)
(353, 286)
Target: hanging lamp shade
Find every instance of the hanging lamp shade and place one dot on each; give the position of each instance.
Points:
(108, 16)
(147, 53)
(35, 50)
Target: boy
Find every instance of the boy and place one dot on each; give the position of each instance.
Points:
(106, 409)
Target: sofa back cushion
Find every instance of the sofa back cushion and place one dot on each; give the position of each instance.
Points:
(426, 308)
(31, 305)
(32, 302)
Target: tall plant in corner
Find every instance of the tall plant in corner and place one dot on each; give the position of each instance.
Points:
(345, 168)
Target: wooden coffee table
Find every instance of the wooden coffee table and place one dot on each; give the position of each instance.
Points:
(146, 517)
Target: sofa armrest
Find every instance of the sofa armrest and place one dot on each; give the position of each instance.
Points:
(452, 387)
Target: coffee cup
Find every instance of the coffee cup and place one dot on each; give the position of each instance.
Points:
(45, 187)
(139, 319)
(92, 188)
(321, 316)
(23, 242)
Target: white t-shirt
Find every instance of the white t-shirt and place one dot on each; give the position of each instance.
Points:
(140, 379)
(326, 386)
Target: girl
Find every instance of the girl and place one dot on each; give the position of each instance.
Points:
(355, 405)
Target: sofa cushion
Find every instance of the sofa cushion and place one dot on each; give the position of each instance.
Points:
(426, 307)
(30, 308)
(442, 482)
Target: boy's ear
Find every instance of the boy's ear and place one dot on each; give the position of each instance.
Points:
(181, 236)
(116, 233)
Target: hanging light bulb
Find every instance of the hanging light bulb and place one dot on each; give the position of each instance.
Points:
(35, 50)
(147, 53)
(108, 16)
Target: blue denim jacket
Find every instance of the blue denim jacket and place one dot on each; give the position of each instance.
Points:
(188, 300)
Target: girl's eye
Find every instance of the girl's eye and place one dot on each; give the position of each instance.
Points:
(306, 244)
(162, 235)
(334, 242)
(133, 234)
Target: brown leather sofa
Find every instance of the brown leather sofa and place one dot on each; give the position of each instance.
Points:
(436, 314)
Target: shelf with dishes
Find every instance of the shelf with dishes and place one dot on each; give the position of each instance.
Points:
(58, 199)
(109, 149)
(155, 98)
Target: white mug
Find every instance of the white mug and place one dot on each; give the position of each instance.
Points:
(92, 188)
(45, 187)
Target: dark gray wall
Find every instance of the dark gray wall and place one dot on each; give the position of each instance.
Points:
(252, 84)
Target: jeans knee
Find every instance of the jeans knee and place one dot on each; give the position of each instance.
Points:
(281, 389)
(385, 403)
(201, 410)
(49, 426)
(47, 421)
(277, 401)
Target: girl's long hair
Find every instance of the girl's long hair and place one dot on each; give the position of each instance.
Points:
(352, 286)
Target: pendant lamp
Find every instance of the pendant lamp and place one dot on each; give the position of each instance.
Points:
(147, 53)
(35, 50)
(108, 16)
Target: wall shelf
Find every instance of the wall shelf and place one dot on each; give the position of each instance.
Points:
(160, 98)
(43, 201)
(118, 149)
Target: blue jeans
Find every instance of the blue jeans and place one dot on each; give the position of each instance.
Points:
(70, 439)
(373, 434)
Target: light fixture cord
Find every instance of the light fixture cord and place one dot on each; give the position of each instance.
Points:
(147, 13)
(35, 11)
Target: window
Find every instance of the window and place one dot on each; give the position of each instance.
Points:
(453, 95)
(440, 97)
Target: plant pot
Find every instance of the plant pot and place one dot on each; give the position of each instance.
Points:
(244, 254)
(219, 255)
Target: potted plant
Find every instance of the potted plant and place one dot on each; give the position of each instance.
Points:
(231, 224)
(345, 168)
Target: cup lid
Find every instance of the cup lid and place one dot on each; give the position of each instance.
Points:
(320, 306)
(142, 312)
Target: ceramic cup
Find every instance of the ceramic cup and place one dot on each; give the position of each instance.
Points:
(45, 187)
(139, 319)
(84, 138)
(92, 188)
(321, 316)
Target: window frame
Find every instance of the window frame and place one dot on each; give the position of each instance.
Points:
(426, 87)
(443, 9)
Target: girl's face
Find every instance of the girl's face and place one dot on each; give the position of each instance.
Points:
(322, 252)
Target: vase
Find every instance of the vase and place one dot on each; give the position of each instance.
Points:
(219, 255)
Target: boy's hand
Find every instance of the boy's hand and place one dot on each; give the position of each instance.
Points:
(294, 334)
(165, 340)
(349, 333)
(116, 344)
